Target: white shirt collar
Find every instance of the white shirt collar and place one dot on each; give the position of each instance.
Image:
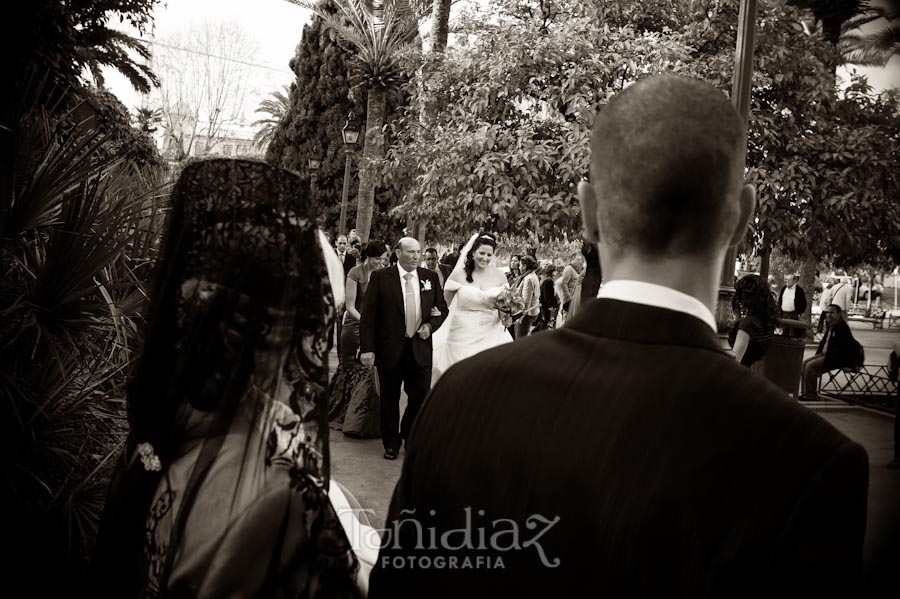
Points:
(658, 296)
(403, 273)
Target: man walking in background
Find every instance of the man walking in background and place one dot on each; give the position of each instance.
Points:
(792, 298)
(404, 305)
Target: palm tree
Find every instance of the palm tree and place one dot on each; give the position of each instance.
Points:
(382, 32)
(147, 119)
(101, 46)
(841, 21)
(276, 107)
(875, 48)
(440, 25)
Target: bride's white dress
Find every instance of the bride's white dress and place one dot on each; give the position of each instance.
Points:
(472, 326)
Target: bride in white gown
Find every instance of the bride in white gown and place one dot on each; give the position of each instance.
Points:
(473, 324)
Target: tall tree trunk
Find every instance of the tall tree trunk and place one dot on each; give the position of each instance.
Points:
(440, 25)
(373, 153)
(807, 282)
(765, 256)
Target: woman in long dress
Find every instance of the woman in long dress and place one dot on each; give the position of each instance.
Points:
(222, 489)
(473, 323)
(353, 403)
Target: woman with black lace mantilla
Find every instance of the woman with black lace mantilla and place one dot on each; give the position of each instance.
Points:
(223, 487)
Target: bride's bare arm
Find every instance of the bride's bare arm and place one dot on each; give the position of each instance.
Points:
(450, 294)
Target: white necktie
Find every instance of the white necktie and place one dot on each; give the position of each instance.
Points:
(410, 298)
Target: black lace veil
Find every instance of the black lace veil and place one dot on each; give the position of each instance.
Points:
(230, 392)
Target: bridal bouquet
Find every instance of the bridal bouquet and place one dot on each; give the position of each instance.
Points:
(510, 305)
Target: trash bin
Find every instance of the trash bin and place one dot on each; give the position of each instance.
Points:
(783, 361)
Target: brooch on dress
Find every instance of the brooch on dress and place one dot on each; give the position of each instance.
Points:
(149, 459)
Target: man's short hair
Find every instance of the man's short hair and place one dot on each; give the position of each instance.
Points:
(667, 159)
(836, 307)
(339, 237)
(431, 251)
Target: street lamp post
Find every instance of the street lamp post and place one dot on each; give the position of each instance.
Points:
(740, 96)
(314, 165)
(350, 133)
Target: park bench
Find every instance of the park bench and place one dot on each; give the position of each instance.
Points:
(870, 315)
(877, 323)
(867, 385)
(893, 320)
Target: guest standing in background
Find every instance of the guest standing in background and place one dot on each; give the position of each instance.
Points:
(431, 263)
(341, 246)
(446, 265)
(530, 289)
(791, 298)
(752, 334)
(512, 276)
(567, 284)
(593, 273)
(549, 303)
(353, 405)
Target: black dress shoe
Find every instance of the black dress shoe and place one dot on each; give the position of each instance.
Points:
(390, 454)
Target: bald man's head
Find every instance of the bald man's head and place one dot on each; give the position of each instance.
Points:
(409, 253)
(667, 159)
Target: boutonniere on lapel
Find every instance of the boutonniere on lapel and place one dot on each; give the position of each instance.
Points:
(426, 285)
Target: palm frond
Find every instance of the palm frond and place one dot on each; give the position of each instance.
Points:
(109, 47)
(873, 49)
(380, 32)
(55, 164)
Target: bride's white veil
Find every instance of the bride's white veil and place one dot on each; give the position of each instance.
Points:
(439, 339)
(461, 261)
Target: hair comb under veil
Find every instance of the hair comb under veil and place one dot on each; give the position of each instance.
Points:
(222, 488)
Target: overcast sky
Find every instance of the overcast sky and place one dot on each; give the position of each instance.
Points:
(277, 26)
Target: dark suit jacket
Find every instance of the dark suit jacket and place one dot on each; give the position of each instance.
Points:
(349, 262)
(843, 349)
(799, 299)
(593, 274)
(673, 472)
(446, 270)
(382, 328)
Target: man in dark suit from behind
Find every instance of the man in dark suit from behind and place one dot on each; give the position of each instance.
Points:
(626, 452)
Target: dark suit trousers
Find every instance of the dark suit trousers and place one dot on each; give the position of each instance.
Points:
(416, 380)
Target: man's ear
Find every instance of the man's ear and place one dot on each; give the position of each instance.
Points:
(746, 205)
(587, 197)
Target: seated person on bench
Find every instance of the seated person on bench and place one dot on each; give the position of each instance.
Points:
(838, 349)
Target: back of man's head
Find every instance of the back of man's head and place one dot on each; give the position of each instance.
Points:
(667, 167)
